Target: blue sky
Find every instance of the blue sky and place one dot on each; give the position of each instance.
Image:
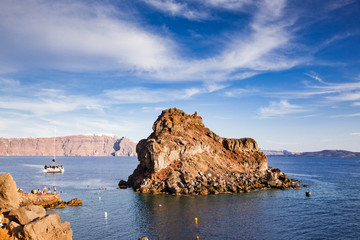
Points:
(283, 72)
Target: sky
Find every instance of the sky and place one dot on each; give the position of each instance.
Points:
(286, 73)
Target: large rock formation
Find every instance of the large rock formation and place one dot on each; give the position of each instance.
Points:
(77, 145)
(182, 156)
(29, 221)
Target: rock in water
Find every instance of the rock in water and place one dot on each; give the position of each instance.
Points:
(182, 156)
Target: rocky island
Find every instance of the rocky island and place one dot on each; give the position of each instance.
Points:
(182, 156)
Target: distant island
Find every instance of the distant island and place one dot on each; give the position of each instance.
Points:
(111, 145)
(323, 153)
(75, 145)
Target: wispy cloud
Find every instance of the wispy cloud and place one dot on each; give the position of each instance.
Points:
(351, 115)
(355, 134)
(146, 95)
(239, 92)
(6, 83)
(228, 4)
(44, 103)
(277, 109)
(315, 76)
(93, 37)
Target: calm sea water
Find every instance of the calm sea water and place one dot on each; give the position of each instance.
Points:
(332, 212)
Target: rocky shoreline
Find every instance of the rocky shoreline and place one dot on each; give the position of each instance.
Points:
(182, 156)
(23, 215)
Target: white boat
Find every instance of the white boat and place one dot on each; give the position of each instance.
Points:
(54, 168)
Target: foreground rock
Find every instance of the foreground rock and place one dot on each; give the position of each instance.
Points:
(9, 198)
(27, 221)
(182, 156)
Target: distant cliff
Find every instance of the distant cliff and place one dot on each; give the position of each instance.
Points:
(77, 145)
(323, 153)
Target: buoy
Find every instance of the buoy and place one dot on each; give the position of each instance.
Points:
(160, 205)
(308, 194)
(105, 214)
(195, 220)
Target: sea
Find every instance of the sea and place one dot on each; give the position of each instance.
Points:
(332, 211)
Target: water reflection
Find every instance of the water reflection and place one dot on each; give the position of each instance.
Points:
(172, 217)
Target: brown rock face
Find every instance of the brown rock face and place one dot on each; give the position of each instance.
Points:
(77, 145)
(24, 215)
(182, 156)
(9, 198)
(48, 227)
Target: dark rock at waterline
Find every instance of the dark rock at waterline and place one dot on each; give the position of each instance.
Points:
(182, 156)
(123, 184)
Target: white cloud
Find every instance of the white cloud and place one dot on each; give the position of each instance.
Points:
(175, 8)
(77, 36)
(276, 109)
(355, 134)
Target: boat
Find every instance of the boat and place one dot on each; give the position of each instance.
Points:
(54, 168)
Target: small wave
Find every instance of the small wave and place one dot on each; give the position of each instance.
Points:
(300, 175)
(34, 165)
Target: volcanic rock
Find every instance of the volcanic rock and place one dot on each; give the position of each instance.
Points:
(182, 156)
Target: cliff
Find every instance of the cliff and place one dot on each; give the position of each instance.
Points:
(182, 156)
(77, 145)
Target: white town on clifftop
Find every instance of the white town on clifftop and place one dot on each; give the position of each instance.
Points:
(285, 73)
